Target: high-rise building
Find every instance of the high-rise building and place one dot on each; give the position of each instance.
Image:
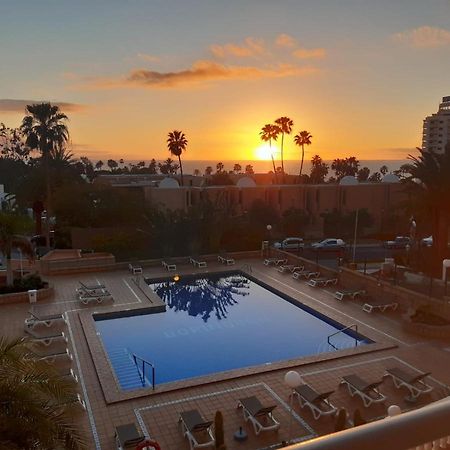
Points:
(436, 128)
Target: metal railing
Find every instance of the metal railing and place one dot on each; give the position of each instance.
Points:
(342, 330)
(247, 267)
(137, 359)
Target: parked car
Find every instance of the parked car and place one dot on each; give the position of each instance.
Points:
(427, 242)
(400, 242)
(290, 243)
(329, 244)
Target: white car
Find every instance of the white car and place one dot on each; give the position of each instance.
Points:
(427, 242)
(329, 244)
(291, 243)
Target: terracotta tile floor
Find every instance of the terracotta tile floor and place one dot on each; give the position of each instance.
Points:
(157, 413)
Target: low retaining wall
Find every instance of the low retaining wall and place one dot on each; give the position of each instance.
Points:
(423, 329)
(22, 297)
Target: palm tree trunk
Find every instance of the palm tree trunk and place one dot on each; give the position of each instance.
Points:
(181, 169)
(301, 165)
(273, 163)
(282, 157)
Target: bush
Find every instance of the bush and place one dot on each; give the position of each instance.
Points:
(32, 281)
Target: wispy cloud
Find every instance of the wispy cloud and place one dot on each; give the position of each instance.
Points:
(424, 37)
(12, 105)
(250, 47)
(309, 53)
(203, 71)
(148, 58)
(285, 40)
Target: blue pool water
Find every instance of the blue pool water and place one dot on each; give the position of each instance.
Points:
(212, 324)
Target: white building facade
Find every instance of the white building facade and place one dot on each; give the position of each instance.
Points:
(436, 129)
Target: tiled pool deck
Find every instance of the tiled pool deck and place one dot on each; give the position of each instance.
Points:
(157, 412)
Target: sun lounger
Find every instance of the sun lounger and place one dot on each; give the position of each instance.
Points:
(69, 375)
(197, 262)
(135, 269)
(379, 305)
(413, 382)
(317, 403)
(127, 436)
(322, 282)
(341, 294)
(196, 429)
(47, 339)
(92, 287)
(274, 261)
(307, 274)
(225, 259)
(260, 416)
(86, 298)
(51, 357)
(170, 267)
(368, 392)
(47, 320)
(289, 268)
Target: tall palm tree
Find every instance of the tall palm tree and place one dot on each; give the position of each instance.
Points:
(177, 143)
(268, 133)
(36, 404)
(430, 182)
(45, 130)
(285, 124)
(302, 138)
(11, 225)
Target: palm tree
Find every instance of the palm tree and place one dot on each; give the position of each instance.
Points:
(11, 225)
(302, 138)
(285, 124)
(268, 133)
(45, 130)
(36, 404)
(429, 180)
(177, 143)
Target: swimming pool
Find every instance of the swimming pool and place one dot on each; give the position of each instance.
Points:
(215, 323)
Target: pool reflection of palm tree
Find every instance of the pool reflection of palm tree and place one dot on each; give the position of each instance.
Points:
(203, 296)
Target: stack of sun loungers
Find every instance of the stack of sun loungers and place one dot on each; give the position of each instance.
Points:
(322, 282)
(93, 293)
(196, 261)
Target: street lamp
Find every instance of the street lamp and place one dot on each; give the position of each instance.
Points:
(407, 248)
(269, 231)
(292, 379)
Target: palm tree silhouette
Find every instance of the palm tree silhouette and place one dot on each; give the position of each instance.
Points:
(285, 124)
(203, 296)
(302, 138)
(45, 130)
(177, 143)
(268, 133)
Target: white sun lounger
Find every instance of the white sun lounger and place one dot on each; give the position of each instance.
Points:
(69, 375)
(225, 259)
(289, 268)
(413, 382)
(46, 340)
(307, 274)
(341, 294)
(170, 267)
(260, 416)
(127, 436)
(380, 305)
(92, 287)
(52, 357)
(48, 320)
(368, 392)
(197, 262)
(317, 403)
(85, 299)
(317, 282)
(135, 269)
(197, 431)
(274, 261)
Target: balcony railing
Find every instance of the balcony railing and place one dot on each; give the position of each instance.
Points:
(426, 428)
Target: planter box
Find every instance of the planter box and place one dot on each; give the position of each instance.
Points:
(22, 297)
(423, 329)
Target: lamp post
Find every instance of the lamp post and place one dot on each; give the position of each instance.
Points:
(292, 379)
(407, 248)
(269, 232)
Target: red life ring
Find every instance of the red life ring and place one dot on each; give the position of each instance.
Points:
(148, 444)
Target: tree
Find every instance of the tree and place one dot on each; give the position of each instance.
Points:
(293, 220)
(220, 179)
(45, 130)
(196, 172)
(345, 167)
(429, 180)
(168, 167)
(301, 139)
(384, 170)
(208, 171)
(11, 228)
(36, 404)
(363, 174)
(99, 165)
(177, 143)
(12, 145)
(249, 169)
(268, 133)
(285, 125)
(112, 164)
(237, 168)
(375, 177)
(219, 167)
(152, 167)
(319, 170)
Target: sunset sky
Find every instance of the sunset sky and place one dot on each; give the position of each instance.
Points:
(360, 75)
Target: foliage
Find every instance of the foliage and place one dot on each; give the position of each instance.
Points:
(36, 404)
(345, 167)
(220, 179)
(363, 174)
(342, 225)
(177, 144)
(237, 168)
(285, 125)
(168, 167)
(249, 169)
(301, 139)
(319, 170)
(12, 144)
(293, 220)
(268, 134)
(262, 214)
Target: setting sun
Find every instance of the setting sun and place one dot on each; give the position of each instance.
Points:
(264, 152)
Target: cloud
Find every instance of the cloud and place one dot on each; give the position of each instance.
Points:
(424, 37)
(308, 53)
(148, 58)
(284, 40)
(250, 47)
(11, 105)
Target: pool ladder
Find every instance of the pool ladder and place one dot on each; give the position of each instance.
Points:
(138, 361)
(350, 327)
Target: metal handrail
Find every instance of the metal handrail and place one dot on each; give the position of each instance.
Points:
(144, 363)
(354, 325)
